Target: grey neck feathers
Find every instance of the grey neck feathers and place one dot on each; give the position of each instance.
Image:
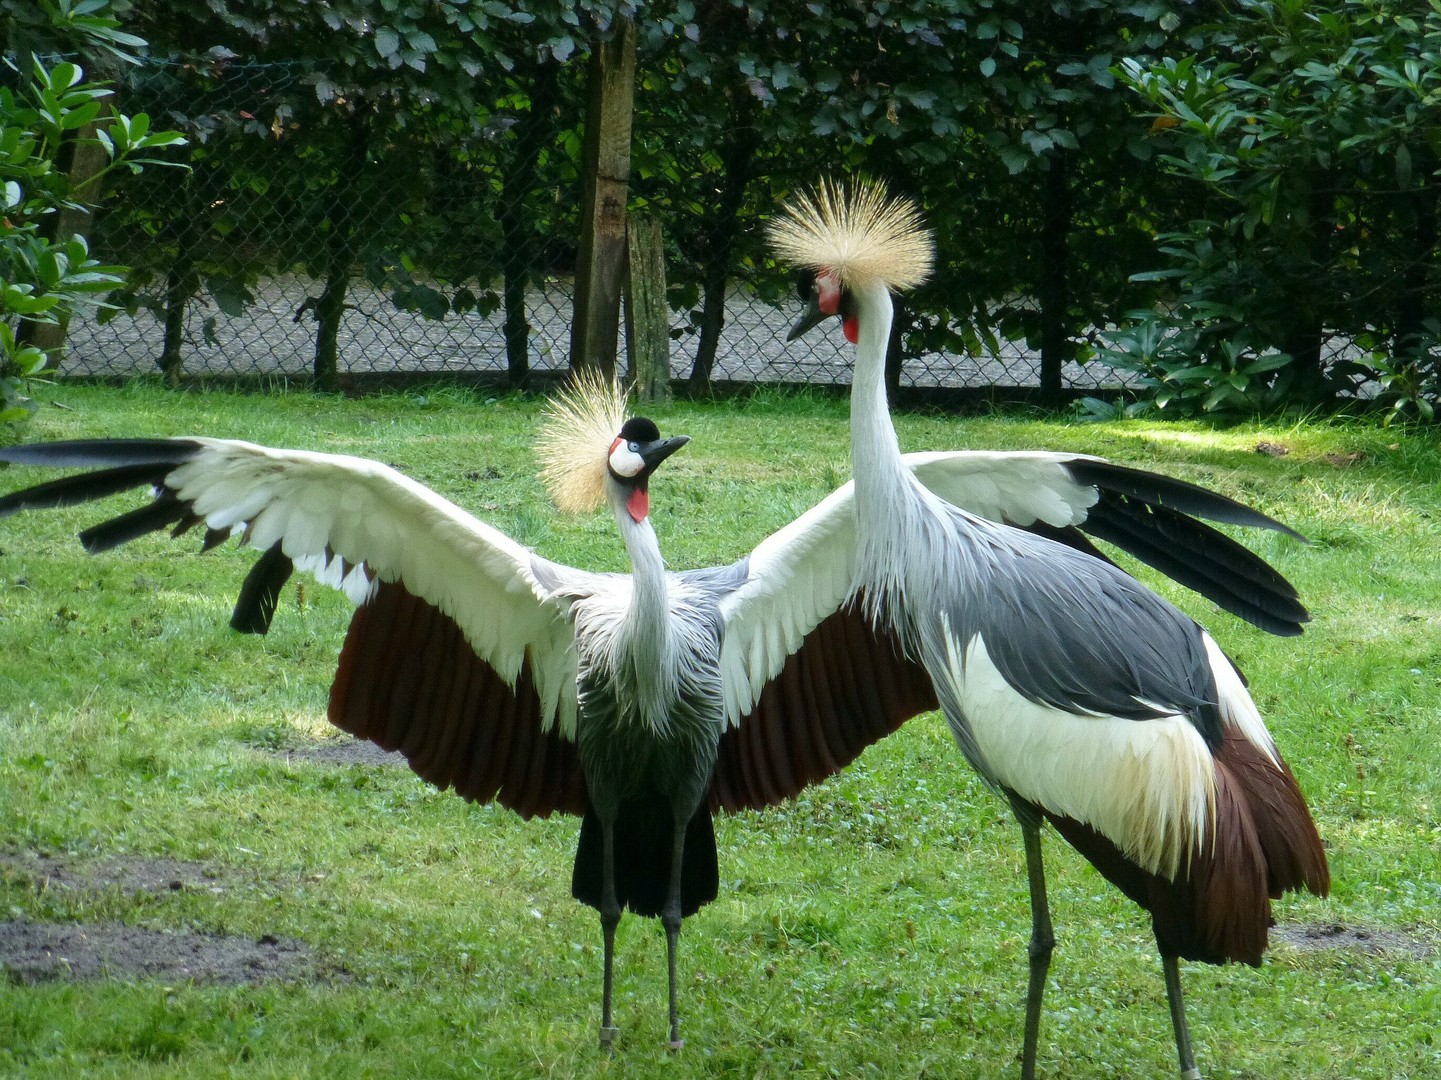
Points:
(645, 644)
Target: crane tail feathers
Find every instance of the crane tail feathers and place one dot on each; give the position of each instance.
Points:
(1218, 907)
(643, 839)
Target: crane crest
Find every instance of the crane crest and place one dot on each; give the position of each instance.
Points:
(581, 423)
(860, 234)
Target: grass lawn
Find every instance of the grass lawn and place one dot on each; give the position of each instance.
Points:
(876, 927)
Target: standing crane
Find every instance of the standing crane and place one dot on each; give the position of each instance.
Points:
(1080, 695)
(642, 703)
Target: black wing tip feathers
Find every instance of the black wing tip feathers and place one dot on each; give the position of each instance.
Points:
(92, 453)
(1181, 495)
(1202, 559)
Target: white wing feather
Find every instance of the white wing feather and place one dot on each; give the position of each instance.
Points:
(1020, 487)
(803, 572)
(368, 514)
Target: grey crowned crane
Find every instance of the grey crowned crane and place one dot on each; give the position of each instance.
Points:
(1080, 695)
(642, 703)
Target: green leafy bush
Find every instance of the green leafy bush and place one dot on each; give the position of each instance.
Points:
(46, 274)
(1306, 137)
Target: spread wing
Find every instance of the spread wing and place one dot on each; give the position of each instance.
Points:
(809, 683)
(1152, 517)
(456, 646)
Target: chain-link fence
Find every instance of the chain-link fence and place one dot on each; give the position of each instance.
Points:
(303, 235)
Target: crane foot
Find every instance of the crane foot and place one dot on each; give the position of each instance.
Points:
(674, 1045)
(608, 1036)
(1192, 1073)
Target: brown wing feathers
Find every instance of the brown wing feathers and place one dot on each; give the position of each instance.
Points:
(845, 688)
(408, 681)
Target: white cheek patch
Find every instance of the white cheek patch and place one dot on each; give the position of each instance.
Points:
(624, 461)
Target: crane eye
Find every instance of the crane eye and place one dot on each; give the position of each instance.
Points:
(633, 447)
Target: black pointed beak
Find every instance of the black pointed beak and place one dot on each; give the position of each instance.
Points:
(812, 316)
(653, 453)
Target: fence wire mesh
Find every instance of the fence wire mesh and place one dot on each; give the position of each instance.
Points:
(298, 233)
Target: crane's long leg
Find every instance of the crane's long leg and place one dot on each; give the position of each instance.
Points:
(609, 920)
(670, 918)
(1172, 967)
(1043, 942)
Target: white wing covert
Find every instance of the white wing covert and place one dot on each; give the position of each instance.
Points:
(347, 520)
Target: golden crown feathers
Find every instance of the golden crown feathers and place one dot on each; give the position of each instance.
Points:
(859, 233)
(581, 423)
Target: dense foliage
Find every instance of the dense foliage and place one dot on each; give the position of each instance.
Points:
(1215, 204)
(1309, 137)
(47, 108)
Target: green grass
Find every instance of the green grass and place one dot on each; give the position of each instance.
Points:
(877, 927)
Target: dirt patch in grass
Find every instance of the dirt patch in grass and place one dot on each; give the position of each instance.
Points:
(43, 952)
(1310, 937)
(129, 873)
(346, 752)
(32, 952)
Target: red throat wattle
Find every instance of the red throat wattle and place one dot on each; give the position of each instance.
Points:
(637, 504)
(852, 327)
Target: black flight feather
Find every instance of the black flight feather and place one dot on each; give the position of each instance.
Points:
(1179, 495)
(260, 592)
(1201, 558)
(73, 490)
(91, 453)
(164, 512)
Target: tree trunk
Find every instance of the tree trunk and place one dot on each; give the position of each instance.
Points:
(600, 270)
(182, 282)
(180, 286)
(339, 259)
(738, 157)
(530, 136)
(647, 315)
(1303, 335)
(1055, 295)
(1409, 334)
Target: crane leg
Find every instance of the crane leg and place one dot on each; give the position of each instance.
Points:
(609, 920)
(671, 919)
(1172, 967)
(1043, 942)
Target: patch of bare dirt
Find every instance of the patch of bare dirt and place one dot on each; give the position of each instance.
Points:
(43, 952)
(130, 874)
(1310, 937)
(346, 752)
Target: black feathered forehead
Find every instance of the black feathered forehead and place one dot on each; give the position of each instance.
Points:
(639, 429)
